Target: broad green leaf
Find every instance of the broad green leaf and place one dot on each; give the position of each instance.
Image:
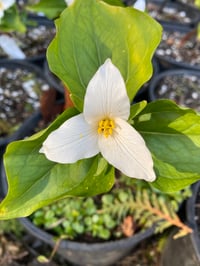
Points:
(136, 108)
(12, 21)
(35, 181)
(197, 3)
(172, 134)
(51, 8)
(89, 32)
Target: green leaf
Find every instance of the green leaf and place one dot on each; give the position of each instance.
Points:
(89, 32)
(136, 109)
(42, 259)
(114, 2)
(172, 135)
(12, 21)
(51, 8)
(35, 181)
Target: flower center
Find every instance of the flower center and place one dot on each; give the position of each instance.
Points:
(106, 127)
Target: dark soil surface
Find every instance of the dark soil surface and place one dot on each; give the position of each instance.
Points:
(35, 41)
(184, 90)
(169, 12)
(180, 47)
(20, 92)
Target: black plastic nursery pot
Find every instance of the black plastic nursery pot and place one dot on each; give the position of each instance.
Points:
(173, 13)
(179, 85)
(185, 251)
(178, 48)
(53, 79)
(188, 2)
(89, 254)
(21, 87)
(34, 42)
(26, 129)
(80, 253)
(45, 25)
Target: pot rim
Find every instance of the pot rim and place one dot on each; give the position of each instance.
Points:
(84, 246)
(190, 216)
(172, 72)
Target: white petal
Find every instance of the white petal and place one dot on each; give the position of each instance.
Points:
(106, 95)
(126, 150)
(69, 2)
(140, 5)
(7, 3)
(72, 141)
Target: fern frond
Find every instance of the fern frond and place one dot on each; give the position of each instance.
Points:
(149, 208)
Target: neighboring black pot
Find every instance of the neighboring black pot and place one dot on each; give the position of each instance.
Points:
(49, 24)
(188, 2)
(185, 251)
(53, 80)
(171, 10)
(161, 87)
(34, 23)
(169, 61)
(26, 129)
(21, 132)
(85, 254)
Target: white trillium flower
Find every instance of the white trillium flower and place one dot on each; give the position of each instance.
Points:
(4, 5)
(69, 2)
(102, 127)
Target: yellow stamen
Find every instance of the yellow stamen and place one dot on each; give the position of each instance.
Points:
(106, 127)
